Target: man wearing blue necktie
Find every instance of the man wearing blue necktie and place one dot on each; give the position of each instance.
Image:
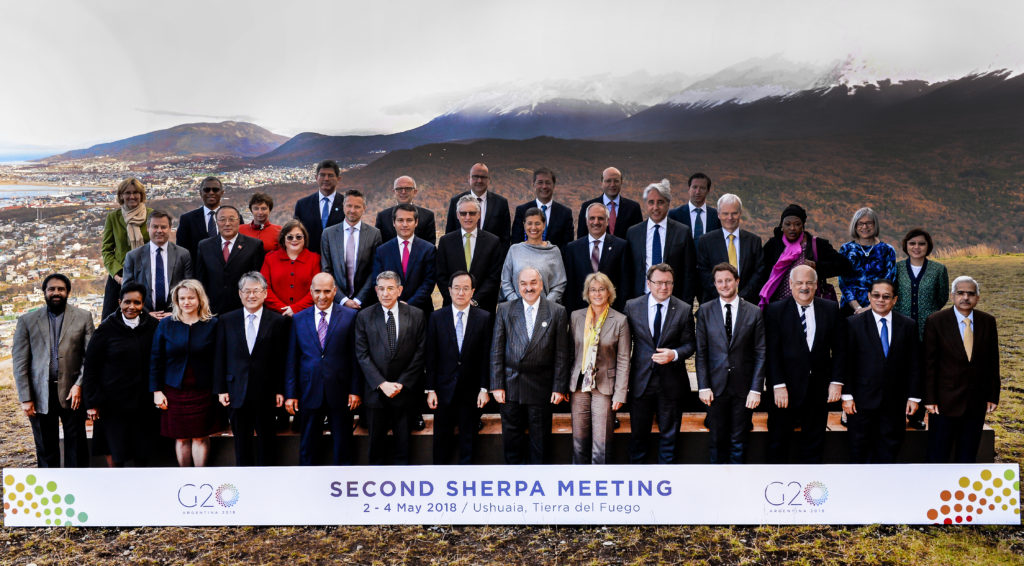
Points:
(557, 217)
(321, 209)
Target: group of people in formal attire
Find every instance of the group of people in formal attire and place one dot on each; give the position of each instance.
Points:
(327, 317)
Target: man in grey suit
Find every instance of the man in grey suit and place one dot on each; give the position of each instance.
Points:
(49, 347)
(346, 252)
(662, 330)
(730, 365)
(530, 356)
(158, 266)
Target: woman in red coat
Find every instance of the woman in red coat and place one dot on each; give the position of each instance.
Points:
(289, 270)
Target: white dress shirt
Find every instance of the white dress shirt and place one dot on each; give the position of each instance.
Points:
(652, 311)
(231, 245)
(735, 302)
(590, 246)
(650, 241)
(316, 318)
(472, 242)
(401, 245)
(394, 313)
(703, 217)
(152, 268)
(547, 212)
(330, 202)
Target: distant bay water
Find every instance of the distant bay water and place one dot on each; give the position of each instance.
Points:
(8, 192)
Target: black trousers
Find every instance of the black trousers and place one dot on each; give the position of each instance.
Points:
(729, 418)
(461, 412)
(46, 433)
(959, 435)
(516, 420)
(876, 435)
(812, 418)
(111, 302)
(246, 420)
(129, 434)
(394, 418)
(312, 423)
(642, 412)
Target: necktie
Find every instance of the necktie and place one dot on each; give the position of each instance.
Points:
(211, 224)
(250, 331)
(657, 326)
(968, 338)
(885, 339)
(227, 250)
(324, 212)
(159, 288)
(611, 217)
(732, 251)
(529, 322)
(544, 209)
(480, 221)
(595, 255)
(656, 245)
(803, 320)
(392, 333)
(698, 225)
(728, 323)
(350, 260)
(460, 331)
(468, 250)
(405, 257)
(321, 329)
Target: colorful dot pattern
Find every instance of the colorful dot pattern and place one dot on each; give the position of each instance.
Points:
(43, 502)
(972, 499)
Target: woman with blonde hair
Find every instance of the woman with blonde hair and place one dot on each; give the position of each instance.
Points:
(180, 373)
(123, 231)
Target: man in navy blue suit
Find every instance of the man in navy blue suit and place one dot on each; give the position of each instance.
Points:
(321, 209)
(623, 213)
(322, 378)
(557, 216)
(458, 357)
(412, 258)
(696, 213)
(201, 223)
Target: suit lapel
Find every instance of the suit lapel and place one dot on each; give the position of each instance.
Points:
(873, 336)
(147, 272)
(264, 328)
(449, 329)
(541, 323)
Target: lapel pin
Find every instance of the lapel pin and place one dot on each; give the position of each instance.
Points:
(544, 324)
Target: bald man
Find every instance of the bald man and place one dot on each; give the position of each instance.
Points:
(405, 191)
(623, 213)
(494, 214)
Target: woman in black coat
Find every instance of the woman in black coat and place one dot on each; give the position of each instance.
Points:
(115, 380)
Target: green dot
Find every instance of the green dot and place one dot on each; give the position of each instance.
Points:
(44, 501)
(58, 510)
(56, 498)
(47, 521)
(83, 517)
(46, 511)
(1016, 485)
(70, 512)
(56, 521)
(69, 498)
(31, 479)
(51, 486)
(39, 490)
(1008, 474)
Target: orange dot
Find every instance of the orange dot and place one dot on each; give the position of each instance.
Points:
(982, 501)
(991, 507)
(980, 510)
(7, 505)
(970, 508)
(945, 495)
(933, 514)
(958, 508)
(14, 511)
(959, 494)
(972, 497)
(944, 509)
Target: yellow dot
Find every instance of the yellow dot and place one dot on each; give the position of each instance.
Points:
(21, 503)
(1006, 492)
(988, 491)
(998, 499)
(11, 495)
(997, 482)
(1013, 502)
(35, 505)
(1005, 507)
(28, 496)
(986, 474)
(20, 487)
(964, 482)
(38, 514)
(9, 480)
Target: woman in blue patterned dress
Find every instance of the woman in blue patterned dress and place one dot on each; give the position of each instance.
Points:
(871, 258)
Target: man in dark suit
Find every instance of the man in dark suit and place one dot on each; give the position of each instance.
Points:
(730, 365)
(623, 213)
(662, 240)
(961, 356)
(730, 244)
(322, 378)
(598, 251)
(201, 223)
(222, 260)
(806, 340)
(158, 266)
(494, 216)
(389, 346)
(405, 191)
(882, 382)
(530, 357)
(346, 252)
(557, 216)
(321, 209)
(696, 213)
(457, 356)
(47, 352)
(412, 258)
(249, 369)
(481, 249)
(662, 329)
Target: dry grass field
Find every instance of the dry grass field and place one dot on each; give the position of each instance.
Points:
(1002, 295)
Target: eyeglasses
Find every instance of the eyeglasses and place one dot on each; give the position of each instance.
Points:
(294, 237)
(479, 177)
(659, 283)
(404, 189)
(212, 189)
(469, 212)
(877, 296)
(251, 292)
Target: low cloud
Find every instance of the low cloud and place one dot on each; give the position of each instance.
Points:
(235, 118)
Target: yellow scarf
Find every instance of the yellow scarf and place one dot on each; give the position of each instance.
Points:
(591, 337)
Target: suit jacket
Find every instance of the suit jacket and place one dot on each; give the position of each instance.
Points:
(177, 347)
(307, 210)
(681, 214)
(322, 376)
(530, 369)
(497, 220)
(627, 216)
(220, 278)
(738, 365)
(711, 250)
(876, 380)
(31, 356)
(425, 228)
(418, 281)
(137, 269)
(332, 260)
(251, 379)
(611, 370)
(558, 229)
(677, 250)
(192, 230)
(676, 334)
(379, 365)
(805, 372)
(488, 258)
(448, 369)
(615, 262)
(953, 382)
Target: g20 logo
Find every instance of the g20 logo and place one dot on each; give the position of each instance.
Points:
(204, 495)
(789, 494)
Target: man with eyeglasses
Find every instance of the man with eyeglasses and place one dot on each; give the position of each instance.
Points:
(405, 191)
(222, 260)
(474, 250)
(321, 209)
(494, 215)
(201, 223)
(882, 382)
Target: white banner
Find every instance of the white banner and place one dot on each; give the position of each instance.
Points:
(492, 495)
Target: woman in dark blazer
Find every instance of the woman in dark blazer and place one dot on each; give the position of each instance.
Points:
(600, 373)
(289, 270)
(180, 373)
(123, 231)
(115, 379)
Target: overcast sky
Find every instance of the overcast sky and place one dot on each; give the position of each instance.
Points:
(77, 73)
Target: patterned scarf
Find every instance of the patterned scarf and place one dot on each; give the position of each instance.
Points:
(591, 334)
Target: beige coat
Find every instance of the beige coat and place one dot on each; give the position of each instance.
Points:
(613, 349)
